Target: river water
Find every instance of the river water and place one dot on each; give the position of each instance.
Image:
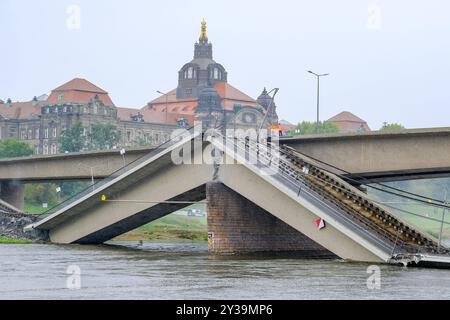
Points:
(183, 270)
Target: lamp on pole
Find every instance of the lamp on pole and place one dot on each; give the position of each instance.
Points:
(318, 87)
(122, 153)
(166, 96)
(91, 168)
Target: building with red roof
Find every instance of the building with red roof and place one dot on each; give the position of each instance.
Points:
(348, 122)
(203, 93)
(78, 90)
(204, 76)
(41, 123)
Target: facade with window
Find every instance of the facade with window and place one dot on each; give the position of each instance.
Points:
(41, 123)
(203, 79)
(203, 93)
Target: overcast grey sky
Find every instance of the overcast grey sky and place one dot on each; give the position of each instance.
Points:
(388, 60)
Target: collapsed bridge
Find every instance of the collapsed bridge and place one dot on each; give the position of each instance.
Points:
(287, 190)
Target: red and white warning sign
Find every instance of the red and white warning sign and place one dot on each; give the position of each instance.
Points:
(320, 223)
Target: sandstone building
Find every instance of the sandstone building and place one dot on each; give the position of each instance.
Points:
(203, 93)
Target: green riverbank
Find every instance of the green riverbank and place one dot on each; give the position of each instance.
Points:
(170, 227)
(6, 240)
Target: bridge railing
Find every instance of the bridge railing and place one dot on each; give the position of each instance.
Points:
(93, 188)
(399, 245)
(300, 182)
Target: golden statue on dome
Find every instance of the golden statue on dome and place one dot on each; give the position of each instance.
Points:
(203, 36)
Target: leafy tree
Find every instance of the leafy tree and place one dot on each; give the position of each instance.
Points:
(71, 140)
(71, 188)
(391, 127)
(308, 127)
(103, 136)
(14, 148)
(39, 193)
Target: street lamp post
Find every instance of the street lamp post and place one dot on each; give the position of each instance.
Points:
(166, 96)
(318, 88)
(92, 176)
(91, 168)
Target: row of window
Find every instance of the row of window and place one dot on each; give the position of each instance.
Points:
(58, 109)
(31, 134)
(214, 73)
(178, 109)
(53, 148)
(52, 132)
(146, 136)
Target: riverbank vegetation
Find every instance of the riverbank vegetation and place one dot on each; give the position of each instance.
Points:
(425, 217)
(7, 240)
(50, 193)
(170, 227)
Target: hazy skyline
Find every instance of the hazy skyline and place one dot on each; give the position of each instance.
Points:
(388, 60)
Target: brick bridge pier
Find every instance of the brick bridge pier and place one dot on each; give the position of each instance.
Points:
(238, 226)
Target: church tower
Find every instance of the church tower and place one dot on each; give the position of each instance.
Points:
(202, 71)
(204, 94)
(203, 49)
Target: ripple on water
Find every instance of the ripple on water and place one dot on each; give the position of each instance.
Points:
(183, 270)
